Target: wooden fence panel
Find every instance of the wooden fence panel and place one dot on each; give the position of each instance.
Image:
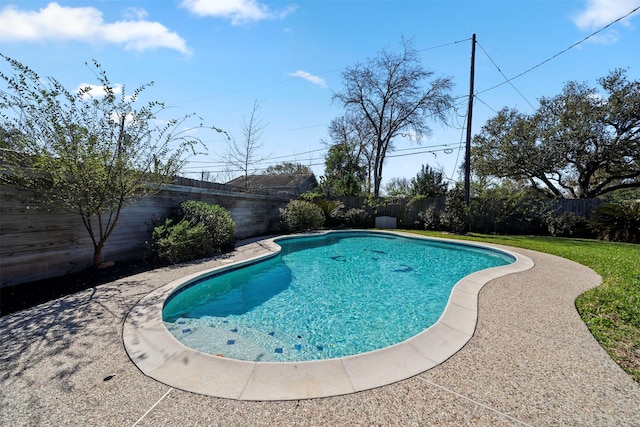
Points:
(36, 243)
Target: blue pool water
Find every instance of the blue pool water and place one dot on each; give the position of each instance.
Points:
(324, 297)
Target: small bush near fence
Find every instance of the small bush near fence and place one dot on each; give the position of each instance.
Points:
(567, 224)
(357, 218)
(456, 215)
(617, 222)
(429, 219)
(332, 211)
(215, 218)
(197, 230)
(300, 215)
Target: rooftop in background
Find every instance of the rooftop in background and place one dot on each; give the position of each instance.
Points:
(290, 184)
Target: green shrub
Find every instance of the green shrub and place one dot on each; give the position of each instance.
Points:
(617, 222)
(220, 226)
(300, 215)
(429, 219)
(356, 217)
(566, 224)
(196, 230)
(456, 215)
(182, 241)
(332, 210)
(506, 210)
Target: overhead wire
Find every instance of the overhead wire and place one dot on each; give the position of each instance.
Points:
(485, 104)
(462, 140)
(270, 161)
(503, 75)
(444, 45)
(562, 51)
(462, 98)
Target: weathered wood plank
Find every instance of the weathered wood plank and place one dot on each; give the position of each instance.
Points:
(37, 243)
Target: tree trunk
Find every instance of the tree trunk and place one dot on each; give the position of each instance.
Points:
(97, 253)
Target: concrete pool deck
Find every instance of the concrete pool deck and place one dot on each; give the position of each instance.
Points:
(530, 361)
(158, 354)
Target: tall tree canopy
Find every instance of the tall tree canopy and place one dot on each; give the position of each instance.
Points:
(582, 143)
(388, 93)
(429, 183)
(397, 187)
(348, 164)
(89, 152)
(288, 168)
(343, 174)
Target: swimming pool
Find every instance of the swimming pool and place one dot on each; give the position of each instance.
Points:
(322, 297)
(159, 355)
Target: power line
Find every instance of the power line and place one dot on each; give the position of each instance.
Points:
(222, 162)
(295, 79)
(420, 152)
(462, 140)
(305, 127)
(413, 151)
(443, 45)
(562, 52)
(505, 77)
(239, 170)
(485, 104)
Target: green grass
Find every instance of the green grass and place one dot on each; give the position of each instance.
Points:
(612, 310)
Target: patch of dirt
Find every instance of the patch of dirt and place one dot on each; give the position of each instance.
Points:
(25, 295)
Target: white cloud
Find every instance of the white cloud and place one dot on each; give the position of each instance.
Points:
(143, 35)
(599, 13)
(86, 24)
(96, 91)
(238, 11)
(310, 78)
(135, 13)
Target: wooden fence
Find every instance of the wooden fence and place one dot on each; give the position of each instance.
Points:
(36, 243)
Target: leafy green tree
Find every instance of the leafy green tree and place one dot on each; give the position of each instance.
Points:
(344, 175)
(582, 143)
(90, 152)
(388, 92)
(288, 168)
(428, 183)
(456, 215)
(397, 187)
(354, 137)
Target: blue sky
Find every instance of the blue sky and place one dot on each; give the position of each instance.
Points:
(216, 57)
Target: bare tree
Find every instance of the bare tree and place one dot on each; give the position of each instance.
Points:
(388, 92)
(243, 154)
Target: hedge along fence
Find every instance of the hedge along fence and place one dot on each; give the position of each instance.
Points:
(406, 211)
(37, 244)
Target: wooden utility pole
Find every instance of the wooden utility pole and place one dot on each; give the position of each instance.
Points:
(467, 154)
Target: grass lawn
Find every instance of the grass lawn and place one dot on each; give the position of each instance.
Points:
(612, 310)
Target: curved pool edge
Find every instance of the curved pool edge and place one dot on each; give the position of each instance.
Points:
(159, 355)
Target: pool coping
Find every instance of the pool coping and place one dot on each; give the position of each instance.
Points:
(159, 355)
